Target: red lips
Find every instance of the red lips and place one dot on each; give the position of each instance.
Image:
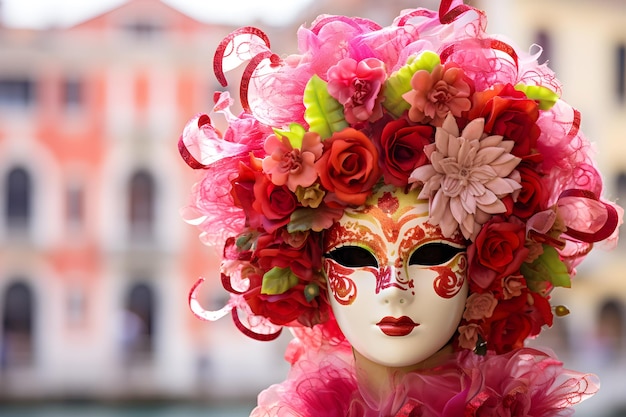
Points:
(392, 326)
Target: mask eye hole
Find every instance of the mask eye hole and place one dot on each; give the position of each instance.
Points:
(434, 253)
(353, 257)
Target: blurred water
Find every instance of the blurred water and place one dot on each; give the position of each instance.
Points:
(99, 410)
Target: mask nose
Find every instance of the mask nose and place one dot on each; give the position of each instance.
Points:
(392, 287)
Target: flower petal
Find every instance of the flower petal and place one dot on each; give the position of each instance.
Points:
(474, 129)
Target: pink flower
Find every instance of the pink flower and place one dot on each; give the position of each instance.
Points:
(468, 335)
(512, 286)
(434, 94)
(468, 175)
(479, 306)
(292, 166)
(357, 86)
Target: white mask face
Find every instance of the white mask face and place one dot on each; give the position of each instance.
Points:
(397, 287)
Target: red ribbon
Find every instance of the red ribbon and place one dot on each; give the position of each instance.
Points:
(184, 152)
(264, 337)
(249, 71)
(448, 16)
(607, 229)
(218, 58)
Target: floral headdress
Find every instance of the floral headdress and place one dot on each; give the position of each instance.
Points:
(430, 102)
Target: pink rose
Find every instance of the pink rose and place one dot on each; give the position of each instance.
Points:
(468, 335)
(512, 286)
(357, 86)
(479, 306)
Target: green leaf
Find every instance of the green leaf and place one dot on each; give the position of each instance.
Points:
(400, 81)
(278, 280)
(294, 134)
(547, 267)
(322, 112)
(546, 97)
(315, 219)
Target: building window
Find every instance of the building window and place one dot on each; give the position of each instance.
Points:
(141, 208)
(72, 94)
(610, 327)
(543, 39)
(16, 92)
(75, 210)
(620, 73)
(621, 186)
(144, 30)
(17, 326)
(18, 199)
(76, 306)
(138, 324)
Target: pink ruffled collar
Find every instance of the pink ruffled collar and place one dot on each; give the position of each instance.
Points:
(526, 383)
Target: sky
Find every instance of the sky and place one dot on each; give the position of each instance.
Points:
(46, 13)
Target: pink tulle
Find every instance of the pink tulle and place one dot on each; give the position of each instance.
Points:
(525, 382)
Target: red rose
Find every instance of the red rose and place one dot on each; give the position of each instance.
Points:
(303, 261)
(509, 113)
(540, 313)
(280, 309)
(532, 197)
(402, 150)
(349, 166)
(509, 325)
(242, 192)
(274, 202)
(497, 252)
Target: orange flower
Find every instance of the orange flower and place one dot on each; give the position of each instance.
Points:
(348, 168)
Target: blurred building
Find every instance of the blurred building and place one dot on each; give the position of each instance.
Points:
(95, 261)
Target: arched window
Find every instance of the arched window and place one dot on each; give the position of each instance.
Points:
(620, 73)
(17, 325)
(543, 39)
(621, 185)
(610, 326)
(141, 205)
(18, 199)
(138, 323)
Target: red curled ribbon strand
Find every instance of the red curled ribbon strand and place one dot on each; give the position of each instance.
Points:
(184, 151)
(249, 71)
(220, 52)
(575, 124)
(416, 13)
(250, 333)
(607, 229)
(448, 16)
(485, 43)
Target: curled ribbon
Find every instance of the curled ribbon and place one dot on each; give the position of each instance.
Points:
(608, 227)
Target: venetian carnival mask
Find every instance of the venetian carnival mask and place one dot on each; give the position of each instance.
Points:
(397, 287)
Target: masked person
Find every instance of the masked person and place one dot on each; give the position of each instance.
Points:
(404, 199)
